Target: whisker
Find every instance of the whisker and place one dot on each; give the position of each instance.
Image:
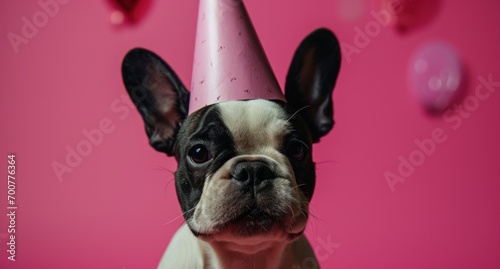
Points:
(166, 187)
(314, 224)
(303, 212)
(296, 112)
(181, 215)
(291, 209)
(161, 168)
(318, 219)
(327, 161)
(298, 186)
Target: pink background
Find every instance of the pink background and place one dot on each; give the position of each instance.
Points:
(118, 209)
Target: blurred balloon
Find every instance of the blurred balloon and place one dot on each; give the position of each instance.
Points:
(409, 14)
(350, 10)
(128, 11)
(435, 74)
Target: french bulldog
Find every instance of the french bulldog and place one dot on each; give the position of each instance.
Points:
(245, 173)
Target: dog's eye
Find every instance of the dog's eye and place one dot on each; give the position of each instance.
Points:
(199, 154)
(296, 151)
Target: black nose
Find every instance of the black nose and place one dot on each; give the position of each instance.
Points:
(252, 174)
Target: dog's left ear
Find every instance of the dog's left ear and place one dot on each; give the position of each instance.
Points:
(311, 78)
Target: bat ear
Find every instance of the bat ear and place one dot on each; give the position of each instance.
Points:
(159, 96)
(311, 79)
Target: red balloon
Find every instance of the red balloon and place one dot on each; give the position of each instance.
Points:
(410, 14)
(130, 11)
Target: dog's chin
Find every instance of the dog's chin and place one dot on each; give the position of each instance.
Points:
(256, 225)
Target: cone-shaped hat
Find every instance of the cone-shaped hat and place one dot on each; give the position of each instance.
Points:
(229, 62)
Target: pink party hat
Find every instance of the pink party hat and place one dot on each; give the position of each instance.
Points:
(229, 62)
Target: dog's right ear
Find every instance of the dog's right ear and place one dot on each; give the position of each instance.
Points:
(158, 94)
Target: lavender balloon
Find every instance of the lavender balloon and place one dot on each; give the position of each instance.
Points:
(436, 75)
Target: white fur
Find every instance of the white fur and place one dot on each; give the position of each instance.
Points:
(185, 251)
(258, 126)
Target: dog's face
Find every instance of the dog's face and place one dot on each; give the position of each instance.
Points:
(245, 168)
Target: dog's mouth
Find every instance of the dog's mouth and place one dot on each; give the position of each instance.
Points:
(257, 222)
(254, 222)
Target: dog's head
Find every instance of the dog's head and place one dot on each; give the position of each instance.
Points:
(245, 168)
